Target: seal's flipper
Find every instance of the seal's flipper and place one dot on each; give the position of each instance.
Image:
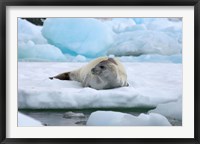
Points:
(62, 76)
(50, 78)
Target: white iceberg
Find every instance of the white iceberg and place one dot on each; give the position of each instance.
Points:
(170, 110)
(28, 31)
(141, 42)
(32, 46)
(110, 118)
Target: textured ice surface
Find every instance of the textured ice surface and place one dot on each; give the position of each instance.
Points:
(150, 84)
(110, 118)
(85, 36)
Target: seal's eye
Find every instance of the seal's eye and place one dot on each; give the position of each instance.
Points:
(102, 67)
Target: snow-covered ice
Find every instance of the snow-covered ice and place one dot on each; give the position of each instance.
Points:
(111, 118)
(150, 84)
(26, 121)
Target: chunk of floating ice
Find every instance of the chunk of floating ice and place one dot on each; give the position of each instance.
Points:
(24, 120)
(171, 109)
(150, 84)
(110, 118)
(72, 114)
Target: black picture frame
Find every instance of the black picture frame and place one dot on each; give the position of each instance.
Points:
(5, 3)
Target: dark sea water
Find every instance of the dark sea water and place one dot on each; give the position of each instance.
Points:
(79, 117)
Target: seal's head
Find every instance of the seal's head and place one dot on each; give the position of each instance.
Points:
(105, 69)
